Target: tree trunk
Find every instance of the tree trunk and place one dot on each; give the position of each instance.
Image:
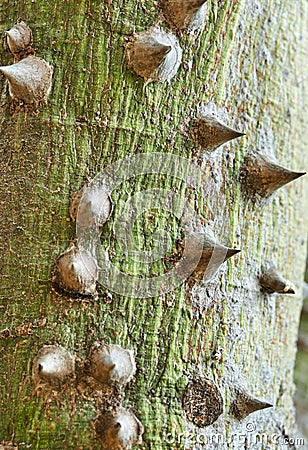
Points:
(247, 65)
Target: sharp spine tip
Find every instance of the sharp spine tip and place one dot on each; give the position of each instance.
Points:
(231, 252)
(299, 174)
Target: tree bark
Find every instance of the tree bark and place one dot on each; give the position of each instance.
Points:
(248, 66)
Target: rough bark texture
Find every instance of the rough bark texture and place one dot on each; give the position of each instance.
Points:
(248, 64)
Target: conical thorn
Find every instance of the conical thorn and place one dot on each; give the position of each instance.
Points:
(76, 271)
(244, 404)
(154, 54)
(208, 133)
(53, 365)
(111, 364)
(19, 40)
(118, 429)
(213, 255)
(260, 176)
(29, 79)
(187, 14)
(272, 281)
